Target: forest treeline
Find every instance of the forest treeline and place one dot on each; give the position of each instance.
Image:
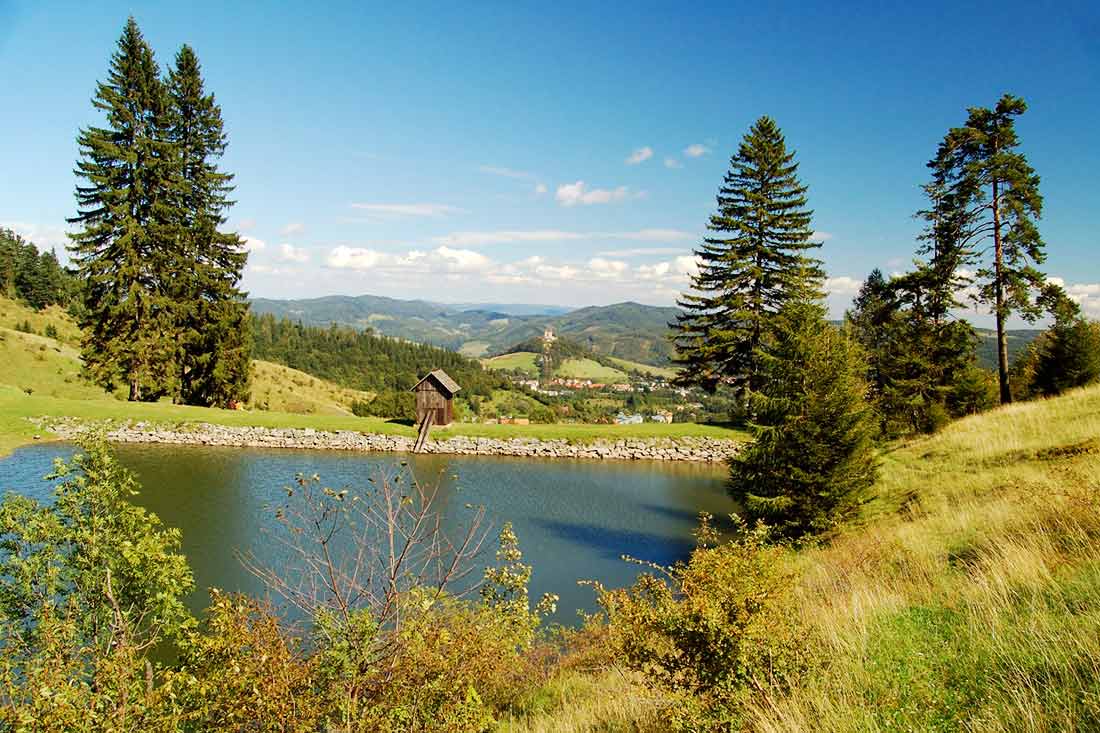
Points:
(365, 361)
(31, 276)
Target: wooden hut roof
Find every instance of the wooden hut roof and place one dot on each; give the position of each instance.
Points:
(447, 385)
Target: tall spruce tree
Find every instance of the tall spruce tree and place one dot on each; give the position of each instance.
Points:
(754, 263)
(125, 211)
(990, 203)
(214, 347)
(813, 451)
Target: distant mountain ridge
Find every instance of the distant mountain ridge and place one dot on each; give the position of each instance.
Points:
(630, 331)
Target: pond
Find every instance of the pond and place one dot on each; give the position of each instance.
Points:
(574, 519)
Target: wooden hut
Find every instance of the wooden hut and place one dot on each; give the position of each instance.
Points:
(434, 395)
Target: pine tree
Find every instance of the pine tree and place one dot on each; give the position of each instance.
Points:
(1068, 355)
(211, 313)
(991, 201)
(755, 262)
(813, 452)
(124, 209)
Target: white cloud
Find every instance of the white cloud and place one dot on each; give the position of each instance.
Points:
(355, 258)
(292, 229)
(640, 155)
(506, 172)
(843, 285)
(287, 253)
(571, 194)
(43, 236)
(821, 236)
(696, 150)
(606, 268)
(252, 244)
(408, 210)
(673, 163)
(463, 260)
(476, 239)
(540, 189)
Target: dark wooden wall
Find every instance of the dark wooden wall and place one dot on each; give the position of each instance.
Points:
(428, 397)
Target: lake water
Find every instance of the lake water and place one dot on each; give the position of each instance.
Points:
(574, 519)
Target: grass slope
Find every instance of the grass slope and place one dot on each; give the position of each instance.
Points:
(653, 371)
(282, 389)
(589, 369)
(523, 361)
(964, 596)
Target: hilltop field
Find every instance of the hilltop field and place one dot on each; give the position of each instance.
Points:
(40, 376)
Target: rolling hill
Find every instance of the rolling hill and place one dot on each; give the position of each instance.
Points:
(630, 331)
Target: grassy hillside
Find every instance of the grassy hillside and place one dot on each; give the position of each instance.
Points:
(964, 596)
(653, 371)
(524, 361)
(589, 369)
(282, 389)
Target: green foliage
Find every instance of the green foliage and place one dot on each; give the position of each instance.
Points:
(921, 365)
(755, 262)
(34, 277)
(712, 631)
(1065, 356)
(987, 201)
(211, 311)
(813, 453)
(89, 586)
(162, 312)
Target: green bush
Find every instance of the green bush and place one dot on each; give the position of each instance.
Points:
(713, 631)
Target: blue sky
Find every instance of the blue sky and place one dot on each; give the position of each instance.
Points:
(563, 153)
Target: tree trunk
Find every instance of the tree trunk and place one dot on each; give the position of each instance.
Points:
(998, 287)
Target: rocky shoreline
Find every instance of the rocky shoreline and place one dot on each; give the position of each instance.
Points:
(652, 449)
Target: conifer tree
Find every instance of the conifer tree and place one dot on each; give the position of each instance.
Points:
(125, 211)
(813, 451)
(991, 201)
(1067, 355)
(755, 261)
(211, 312)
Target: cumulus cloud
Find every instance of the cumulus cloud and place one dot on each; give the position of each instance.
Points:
(640, 155)
(572, 194)
(673, 163)
(843, 285)
(462, 260)
(288, 253)
(408, 210)
(252, 244)
(43, 236)
(605, 268)
(292, 229)
(696, 150)
(354, 258)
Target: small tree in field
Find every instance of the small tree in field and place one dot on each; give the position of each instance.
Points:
(1066, 356)
(813, 453)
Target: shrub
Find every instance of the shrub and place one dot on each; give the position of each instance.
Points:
(714, 630)
(51, 331)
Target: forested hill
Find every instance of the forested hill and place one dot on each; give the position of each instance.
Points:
(629, 331)
(360, 359)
